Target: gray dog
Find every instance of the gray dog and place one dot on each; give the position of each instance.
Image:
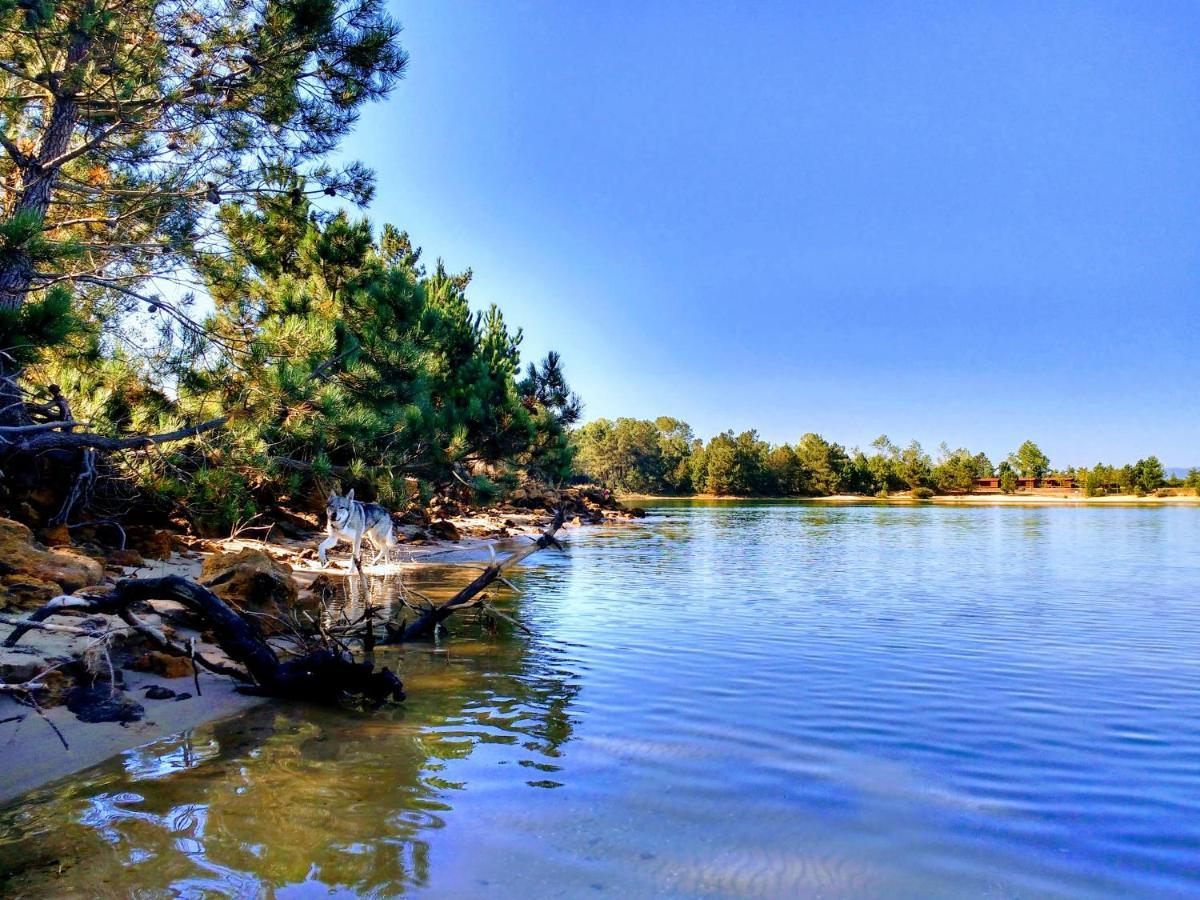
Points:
(351, 520)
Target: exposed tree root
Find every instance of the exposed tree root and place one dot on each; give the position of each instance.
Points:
(323, 675)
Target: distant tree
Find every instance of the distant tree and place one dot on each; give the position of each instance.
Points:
(983, 466)
(721, 464)
(1148, 475)
(859, 477)
(1126, 479)
(822, 465)
(1193, 480)
(1029, 461)
(783, 466)
(915, 466)
(675, 439)
(698, 467)
(957, 470)
(884, 465)
(1008, 477)
(1093, 480)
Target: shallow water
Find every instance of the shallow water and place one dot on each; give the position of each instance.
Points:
(727, 700)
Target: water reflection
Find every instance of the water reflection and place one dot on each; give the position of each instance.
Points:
(730, 699)
(291, 795)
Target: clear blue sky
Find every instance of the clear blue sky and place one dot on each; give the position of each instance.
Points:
(951, 221)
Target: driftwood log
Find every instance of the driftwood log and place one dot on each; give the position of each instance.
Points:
(324, 675)
(469, 597)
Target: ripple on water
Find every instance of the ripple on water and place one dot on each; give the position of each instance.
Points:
(730, 700)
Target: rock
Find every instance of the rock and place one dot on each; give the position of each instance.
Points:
(97, 702)
(183, 695)
(152, 543)
(444, 530)
(22, 669)
(163, 664)
(22, 592)
(55, 536)
(251, 580)
(36, 569)
(128, 558)
(410, 533)
(158, 692)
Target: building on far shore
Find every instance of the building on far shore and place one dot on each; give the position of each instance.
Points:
(1056, 482)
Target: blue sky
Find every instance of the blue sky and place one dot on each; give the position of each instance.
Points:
(966, 222)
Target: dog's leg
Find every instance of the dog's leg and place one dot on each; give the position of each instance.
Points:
(393, 545)
(387, 542)
(374, 546)
(356, 559)
(328, 544)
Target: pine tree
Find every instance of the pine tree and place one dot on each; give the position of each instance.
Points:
(126, 125)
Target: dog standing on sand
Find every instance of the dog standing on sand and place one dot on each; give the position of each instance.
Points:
(351, 520)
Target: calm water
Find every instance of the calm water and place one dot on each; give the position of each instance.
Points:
(729, 700)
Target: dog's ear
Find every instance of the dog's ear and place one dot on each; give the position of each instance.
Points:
(332, 497)
(350, 496)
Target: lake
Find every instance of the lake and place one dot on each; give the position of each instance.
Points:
(726, 699)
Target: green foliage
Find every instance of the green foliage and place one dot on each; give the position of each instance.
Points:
(343, 360)
(1193, 480)
(1008, 478)
(958, 470)
(1029, 461)
(1148, 475)
(635, 456)
(175, 110)
(27, 330)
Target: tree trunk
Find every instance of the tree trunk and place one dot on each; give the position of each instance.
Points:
(37, 177)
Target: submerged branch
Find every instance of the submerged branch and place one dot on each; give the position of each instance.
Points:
(468, 597)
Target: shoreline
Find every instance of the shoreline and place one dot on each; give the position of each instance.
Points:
(34, 755)
(1018, 499)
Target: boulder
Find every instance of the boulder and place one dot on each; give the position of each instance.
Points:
(55, 536)
(410, 533)
(250, 579)
(444, 530)
(98, 702)
(152, 543)
(129, 558)
(31, 569)
(26, 592)
(163, 664)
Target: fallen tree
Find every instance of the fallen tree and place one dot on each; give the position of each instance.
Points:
(325, 674)
(472, 595)
(323, 671)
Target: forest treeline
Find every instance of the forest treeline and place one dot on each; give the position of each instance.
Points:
(196, 322)
(180, 257)
(664, 457)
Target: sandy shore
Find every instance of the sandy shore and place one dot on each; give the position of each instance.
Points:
(33, 754)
